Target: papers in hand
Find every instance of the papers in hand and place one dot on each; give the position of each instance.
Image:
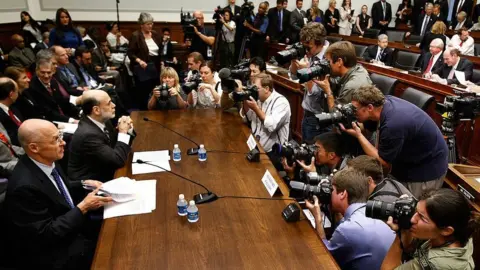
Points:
(69, 128)
(460, 75)
(130, 197)
(159, 158)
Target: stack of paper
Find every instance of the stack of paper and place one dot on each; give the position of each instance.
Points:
(140, 198)
(159, 158)
(67, 127)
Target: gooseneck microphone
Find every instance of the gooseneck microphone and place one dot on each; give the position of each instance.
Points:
(198, 198)
(191, 151)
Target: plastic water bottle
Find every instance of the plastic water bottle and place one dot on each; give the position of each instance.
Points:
(202, 153)
(192, 212)
(182, 205)
(177, 154)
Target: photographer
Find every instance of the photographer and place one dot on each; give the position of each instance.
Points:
(227, 47)
(257, 66)
(167, 50)
(440, 236)
(358, 242)
(409, 143)
(269, 117)
(204, 37)
(379, 188)
(209, 92)
(258, 27)
(314, 102)
(194, 61)
(176, 97)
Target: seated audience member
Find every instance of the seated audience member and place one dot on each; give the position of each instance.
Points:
(453, 62)
(3, 59)
(364, 21)
(209, 92)
(114, 60)
(21, 56)
(314, 101)
(463, 42)
(438, 31)
(175, 98)
(10, 117)
(46, 93)
(437, 11)
(462, 21)
(440, 237)
(9, 153)
(194, 61)
(409, 145)
(380, 188)
(44, 44)
(381, 15)
(49, 55)
(97, 149)
(432, 60)
(64, 34)
(269, 116)
(380, 52)
(167, 50)
(259, 30)
(65, 72)
(41, 206)
(358, 242)
(114, 37)
(332, 17)
(257, 66)
(204, 37)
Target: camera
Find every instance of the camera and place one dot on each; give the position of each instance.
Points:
(192, 82)
(291, 52)
(164, 95)
(188, 22)
(217, 13)
(317, 69)
(302, 191)
(246, 10)
(313, 178)
(402, 211)
(294, 152)
(248, 91)
(344, 114)
(460, 107)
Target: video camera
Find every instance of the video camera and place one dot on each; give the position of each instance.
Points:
(188, 22)
(192, 82)
(294, 152)
(291, 52)
(344, 114)
(302, 191)
(164, 95)
(402, 211)
(248, 91)
(464, 106)
(246, 11)
(318, 68)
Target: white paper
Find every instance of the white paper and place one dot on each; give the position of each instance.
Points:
(460, 75)
(251, 142)
(478, 179)
(269, 67)
(309, 215)
(269, 183)
(159, 158)
(73, 100)
(122, 189)
(69, 128)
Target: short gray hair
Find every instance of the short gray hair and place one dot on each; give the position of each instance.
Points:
(43, 62)
(382, 37)
(429, 5)
(44, 54)
(438, 42)
(145, 18)
(462, 14)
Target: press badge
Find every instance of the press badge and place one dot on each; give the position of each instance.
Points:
(209, 52)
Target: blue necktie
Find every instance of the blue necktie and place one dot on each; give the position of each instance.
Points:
(61, 187)
(280, 21)
(70, 75)
(86, 77)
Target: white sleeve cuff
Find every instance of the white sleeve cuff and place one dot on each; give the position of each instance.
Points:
(71, 120)
(123, 137)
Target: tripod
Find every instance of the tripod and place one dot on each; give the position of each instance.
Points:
(245, 40)
(219, 31)
(118, 15)
(448, 128)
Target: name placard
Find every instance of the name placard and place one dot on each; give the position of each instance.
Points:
(251, 142)
(270, 183)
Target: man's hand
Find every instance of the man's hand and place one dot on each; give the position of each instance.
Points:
(124, 124)
(408, 34)
(295, 64)
(113, 68)
(92, 201)
(392, 225)
(314, 208)
(308, 168)
(286, 167)
(196, 30)
(267, 38)
(246, 24)
(252, 104)
(98, 68)
(175, 60)
(93, 183)
(287, 40)
(173, 91)
(324, 84)
(355, 131)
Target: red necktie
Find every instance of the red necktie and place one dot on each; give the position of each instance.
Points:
(14, 118)
(50, 91)
(461, 43)
(429, 66)
(64, 92)
(4, 139)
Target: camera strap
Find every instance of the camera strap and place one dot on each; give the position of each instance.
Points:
(266, 113)
(378, 190)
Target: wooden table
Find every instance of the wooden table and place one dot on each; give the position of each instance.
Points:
(231, 233)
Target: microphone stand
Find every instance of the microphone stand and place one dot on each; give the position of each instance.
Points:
(118, 15)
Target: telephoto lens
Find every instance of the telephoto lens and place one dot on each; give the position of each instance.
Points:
(402, 211)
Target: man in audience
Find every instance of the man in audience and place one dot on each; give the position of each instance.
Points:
(314, 101)
(432, 60)
(381, 15)
(21, 56)
(97, 149)
(269, 116)
(10, 117)
(453, 64)
(380, 52)
(438, 13)
(257, 66)
(204, 38)
(194, 61)
(278, 26)
(462, 21)
(463, 42)
(358, 242)
(380, 188)
(41, 205)
(409, 144)
(65, 72)
(426, 22)
(47, 95)
(298, 19)
(44, 44)
(235, 9)
(461, 6)
(258, 26)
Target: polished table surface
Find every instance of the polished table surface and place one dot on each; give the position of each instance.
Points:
(231, 233)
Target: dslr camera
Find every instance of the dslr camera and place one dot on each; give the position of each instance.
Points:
(291, 52)
(344, 114)
(313, 178)
(294, 152)
(192, 82)
(246, 93)
(164, 95)
(460, 107)
(302, 191)
(402, 211)
(246, 11)
(188, 22)
(318, 68)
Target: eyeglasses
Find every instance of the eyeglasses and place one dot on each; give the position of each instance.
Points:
(57, 139)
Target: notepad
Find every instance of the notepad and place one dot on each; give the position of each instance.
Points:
(159, 158)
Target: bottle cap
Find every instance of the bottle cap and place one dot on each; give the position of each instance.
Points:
(202, 146)
(175, 146)
(192, 202)
(181, 197)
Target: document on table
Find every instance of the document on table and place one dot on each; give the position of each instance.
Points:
(159, 158)
(69, 128)
(144, 198)
(460, 75)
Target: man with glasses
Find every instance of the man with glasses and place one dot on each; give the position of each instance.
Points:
(97, 149)
(41, 206)
(204, 38)
(409, 145)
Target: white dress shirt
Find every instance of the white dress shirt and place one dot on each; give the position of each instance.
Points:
(122, 137)
(112, 40)
(47, 170)
(153, 49)
(467, 48)
(275, 127)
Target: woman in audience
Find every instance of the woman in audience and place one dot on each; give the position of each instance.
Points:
(64, 34)
(364, 21)
(404, 12)
(227, 50)
(332, 16)
(173, 98)
(144, 53)
(346, 18)
(32, 30)
(316, 15)
(438, 31)
(440, 236)
(114, 37)
(209, 91)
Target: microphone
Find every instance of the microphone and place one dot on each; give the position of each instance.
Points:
(191, 151)
(198, 198)
(224, 73)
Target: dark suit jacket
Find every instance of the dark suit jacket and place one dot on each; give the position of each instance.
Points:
(66, 81)
(296, 24)
(425, 59)
(236, 11)
(10, 126)
(476, 13)
(443, 6)
(465, 65)
(418, 27)
(92, 156)
(40, 46)
(169, 55)
(29, 108)
(371, 53)
(138, 48)
(99, 59)
(468, 24)
(272, 30)
(417, 10)
(50, 104)
(427, 39)
(377, 14)
(44, 230)
(23, 59)
(467, 7)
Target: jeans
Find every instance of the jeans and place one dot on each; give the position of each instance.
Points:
(311, 128)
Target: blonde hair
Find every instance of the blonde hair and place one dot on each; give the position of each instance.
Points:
(170, 72)
(439, 28)
(332, 2)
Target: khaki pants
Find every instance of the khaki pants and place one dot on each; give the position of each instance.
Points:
(417, 188)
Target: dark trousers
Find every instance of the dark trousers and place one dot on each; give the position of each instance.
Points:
(227, 54)
(142, 92)
(311, 128)
(257, 45)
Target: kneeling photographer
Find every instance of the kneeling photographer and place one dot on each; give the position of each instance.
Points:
(257, 66)
(168, 95)
(358, 242)
(437, 234)
(269, 116)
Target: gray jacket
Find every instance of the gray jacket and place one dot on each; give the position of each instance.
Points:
(7, 160)
(343, 87)
(21, 58)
